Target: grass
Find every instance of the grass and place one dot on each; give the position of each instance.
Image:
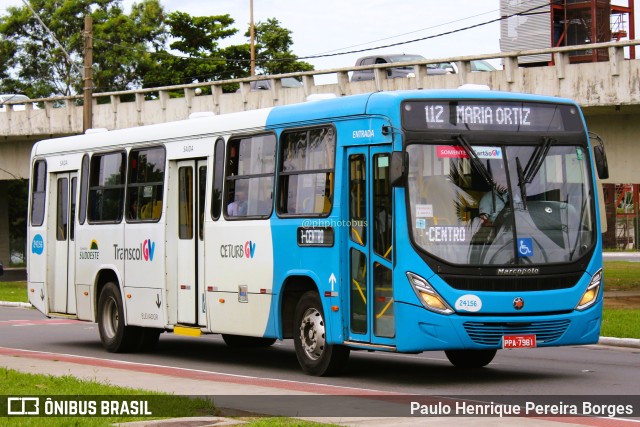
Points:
(16, 383)
(13, 291)
(622, 275)
(621, 323)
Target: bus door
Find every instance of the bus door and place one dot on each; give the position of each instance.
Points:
(61, 263)
(369, 248)
(192, 179)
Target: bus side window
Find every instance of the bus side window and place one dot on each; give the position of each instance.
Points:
(306, 171)
(218, 178)
(106, 187)
(84, 187)
(145, 184)
(38, 192)
(249, 176)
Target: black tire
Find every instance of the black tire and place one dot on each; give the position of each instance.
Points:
(470, 359)
(148, 339)
(315, 356)
(239, 341)
(115, 335)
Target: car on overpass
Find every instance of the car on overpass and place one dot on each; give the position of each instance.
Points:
(395, 72)
(4, 98)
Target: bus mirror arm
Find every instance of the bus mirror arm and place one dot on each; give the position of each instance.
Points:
(398, 170)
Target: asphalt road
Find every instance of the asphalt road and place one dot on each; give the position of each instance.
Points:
(585, 370)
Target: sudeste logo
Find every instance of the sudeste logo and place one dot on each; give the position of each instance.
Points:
(144, 252)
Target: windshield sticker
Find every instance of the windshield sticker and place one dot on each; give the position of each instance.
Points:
(424, 211)
(468, 303)
(446, 234)
(525, 247)
(421, 224)
(579, 153)
(456, 152)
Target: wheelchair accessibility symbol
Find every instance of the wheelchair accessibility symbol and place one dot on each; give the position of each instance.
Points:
(525, 247)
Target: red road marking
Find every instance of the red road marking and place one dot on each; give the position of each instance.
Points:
(39, 322)
(274, 383)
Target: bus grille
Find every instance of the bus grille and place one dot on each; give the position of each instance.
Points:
(510, 284)
(492, 333)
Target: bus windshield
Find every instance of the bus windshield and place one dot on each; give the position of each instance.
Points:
(498, 204)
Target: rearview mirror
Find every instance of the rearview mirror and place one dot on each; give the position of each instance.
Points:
(600, 157)
(397, 171)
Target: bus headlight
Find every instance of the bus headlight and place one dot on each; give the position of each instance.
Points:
(428, 296)
(591, 294)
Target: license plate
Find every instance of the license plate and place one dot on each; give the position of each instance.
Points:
(519, 341)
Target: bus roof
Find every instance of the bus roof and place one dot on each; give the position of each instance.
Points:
(380, 103)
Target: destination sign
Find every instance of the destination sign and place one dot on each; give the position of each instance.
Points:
(315, 236)
(485, 115)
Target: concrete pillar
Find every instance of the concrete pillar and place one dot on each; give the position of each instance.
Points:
(4, 223)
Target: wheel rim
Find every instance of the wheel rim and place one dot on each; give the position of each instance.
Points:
(110, 317)
(312, 334)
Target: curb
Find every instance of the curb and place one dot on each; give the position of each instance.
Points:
(616, 342)
(619, 342)
(15, 304)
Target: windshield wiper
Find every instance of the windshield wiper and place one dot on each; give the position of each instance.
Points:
(537, 159)
(477, 163)
(521, 183)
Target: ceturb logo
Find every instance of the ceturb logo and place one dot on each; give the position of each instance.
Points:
(144, 252)
(248, 250)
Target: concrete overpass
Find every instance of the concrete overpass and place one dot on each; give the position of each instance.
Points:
(609, 93)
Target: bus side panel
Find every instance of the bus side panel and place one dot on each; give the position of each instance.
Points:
(239, 277)
(37, 268)
(144, 256)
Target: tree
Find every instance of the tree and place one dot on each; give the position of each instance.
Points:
(273, 49)
(32, 63)
(196, 38)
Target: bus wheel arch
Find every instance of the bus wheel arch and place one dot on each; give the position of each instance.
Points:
(315, 355)
(115, 335)
(293, 289)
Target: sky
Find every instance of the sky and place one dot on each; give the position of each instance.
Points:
(334, 26)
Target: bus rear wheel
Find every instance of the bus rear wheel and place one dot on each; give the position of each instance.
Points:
(116, 337)
(315, 356)
(470, 359)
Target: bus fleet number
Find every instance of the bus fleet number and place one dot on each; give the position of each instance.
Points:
(434, 113)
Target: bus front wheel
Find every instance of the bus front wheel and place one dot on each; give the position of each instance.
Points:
(470, 359)
(116, 337)
(315, 356)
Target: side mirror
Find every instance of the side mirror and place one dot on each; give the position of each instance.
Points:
(397, 170)
(600, 157)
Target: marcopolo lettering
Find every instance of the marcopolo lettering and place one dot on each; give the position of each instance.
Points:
(518, 271)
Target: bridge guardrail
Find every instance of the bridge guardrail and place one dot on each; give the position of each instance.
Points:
(610, 82)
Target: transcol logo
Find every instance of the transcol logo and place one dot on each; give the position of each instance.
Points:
(143, 252)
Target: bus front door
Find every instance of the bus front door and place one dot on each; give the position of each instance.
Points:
(192, 179)
(369, 248)
(61, 263)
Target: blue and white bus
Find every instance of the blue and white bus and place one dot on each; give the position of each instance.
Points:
(455, 220)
